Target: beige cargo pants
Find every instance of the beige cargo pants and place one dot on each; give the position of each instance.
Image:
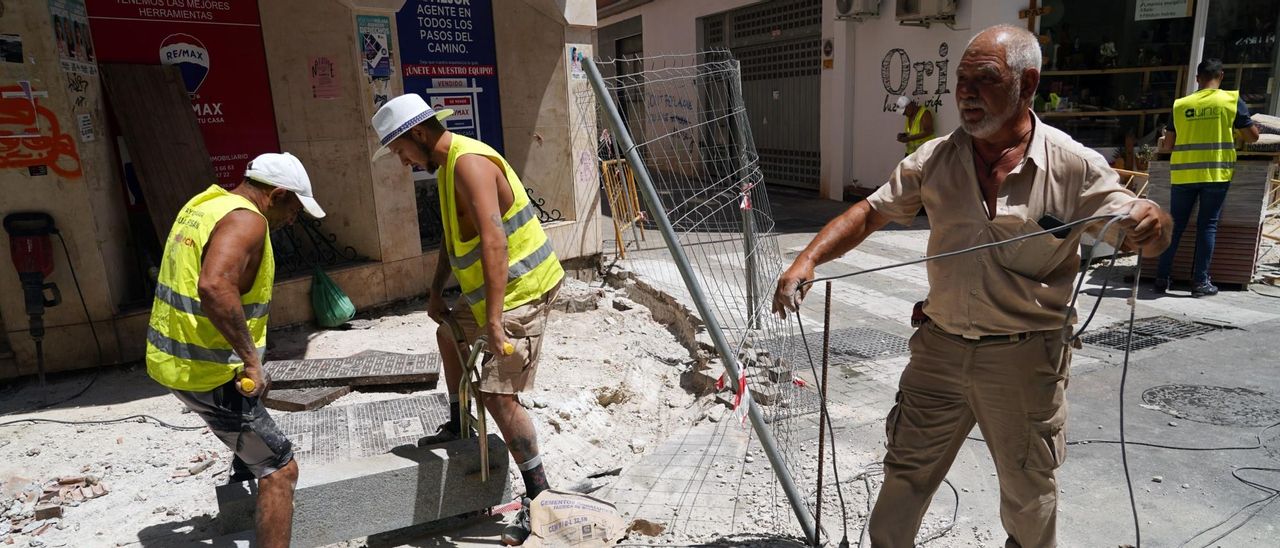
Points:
(1013, 388)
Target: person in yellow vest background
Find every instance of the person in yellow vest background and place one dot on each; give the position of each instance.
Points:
(208, 327)
(505, 265)
(1200, 169)
(919, 123)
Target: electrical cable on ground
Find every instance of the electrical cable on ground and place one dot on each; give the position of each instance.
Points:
(1263, 293)
(130, 418)
(1272, 494)
(1084, 267)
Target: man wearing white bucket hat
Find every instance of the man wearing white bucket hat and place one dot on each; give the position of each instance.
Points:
(502, 259)
(209, 324)
(919, 123)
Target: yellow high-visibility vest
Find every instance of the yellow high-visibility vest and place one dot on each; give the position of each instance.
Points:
(915, 124)
(532, 266)
(184, 350)
(1204, 150)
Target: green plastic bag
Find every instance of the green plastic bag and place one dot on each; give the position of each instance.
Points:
(332, 307)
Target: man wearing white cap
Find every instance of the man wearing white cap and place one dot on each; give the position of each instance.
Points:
(502, 259)
(919, 123)
(209, 323)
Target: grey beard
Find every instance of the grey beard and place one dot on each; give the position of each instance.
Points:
(993, 122)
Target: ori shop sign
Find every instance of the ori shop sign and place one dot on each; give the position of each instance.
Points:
(924, 79)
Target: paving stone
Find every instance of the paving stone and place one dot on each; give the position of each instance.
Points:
(365, 496)
(370, 368)
(304, 399)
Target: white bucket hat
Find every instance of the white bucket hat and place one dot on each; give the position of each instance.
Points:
(285, 171)
(399, 115)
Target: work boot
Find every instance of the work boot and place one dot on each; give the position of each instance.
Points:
(444, 434)
(1161, 285)
(517, 531)
(1205, 289)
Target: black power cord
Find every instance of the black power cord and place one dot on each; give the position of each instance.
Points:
(130, 418)
(1260, 504)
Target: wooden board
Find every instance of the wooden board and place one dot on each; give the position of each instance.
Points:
(1234, 255)
(154, 113)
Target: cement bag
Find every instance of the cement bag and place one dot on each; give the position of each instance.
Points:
(558, 518)
(331, 305)
(1266, 124)
(1265, 143)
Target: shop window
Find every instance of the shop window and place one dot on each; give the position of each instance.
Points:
(1109, 80)
(1243, 34)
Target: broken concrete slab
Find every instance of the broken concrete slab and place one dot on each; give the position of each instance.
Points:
(365, 496)
(304, 399)
(370, 368)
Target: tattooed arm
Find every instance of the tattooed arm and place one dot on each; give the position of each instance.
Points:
(477, 182)
(235, 245)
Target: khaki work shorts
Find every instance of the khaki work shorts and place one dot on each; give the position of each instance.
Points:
(524, 326)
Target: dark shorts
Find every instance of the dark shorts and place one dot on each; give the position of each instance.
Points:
(243, 425)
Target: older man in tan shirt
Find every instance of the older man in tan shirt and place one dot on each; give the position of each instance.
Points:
(993, 351)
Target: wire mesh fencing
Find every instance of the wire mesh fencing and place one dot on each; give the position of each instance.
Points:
(686, 117)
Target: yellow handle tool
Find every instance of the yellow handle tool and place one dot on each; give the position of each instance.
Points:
(247, 384)
(508, 349)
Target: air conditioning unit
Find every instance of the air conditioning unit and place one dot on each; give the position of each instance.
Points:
(926, 10)
(857, 9)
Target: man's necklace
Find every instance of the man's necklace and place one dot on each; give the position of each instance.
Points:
(989, 167)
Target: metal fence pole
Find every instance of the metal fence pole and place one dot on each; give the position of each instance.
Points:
(650, 194)
(741, 161)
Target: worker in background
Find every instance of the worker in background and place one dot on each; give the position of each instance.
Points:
(505, 265)
(208, 327)
(1204, 158)
(919, 123)
(992, 349)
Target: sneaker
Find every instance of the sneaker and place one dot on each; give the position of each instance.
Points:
(1161, 285)
(1205, 289)
(444, 434)
(517, 531)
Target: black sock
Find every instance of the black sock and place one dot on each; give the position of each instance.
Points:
(455, 414)
(535, 479)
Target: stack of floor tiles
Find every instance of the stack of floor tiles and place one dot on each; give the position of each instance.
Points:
(1239, 230)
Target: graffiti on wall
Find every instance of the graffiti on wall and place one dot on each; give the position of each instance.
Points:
(926, 80)
(31, 135)
(671, 114)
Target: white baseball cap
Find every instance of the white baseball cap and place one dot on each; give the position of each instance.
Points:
(285, 171)
(903, 101)
(399, 115)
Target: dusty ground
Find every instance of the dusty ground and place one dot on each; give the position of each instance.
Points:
(608, 391)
